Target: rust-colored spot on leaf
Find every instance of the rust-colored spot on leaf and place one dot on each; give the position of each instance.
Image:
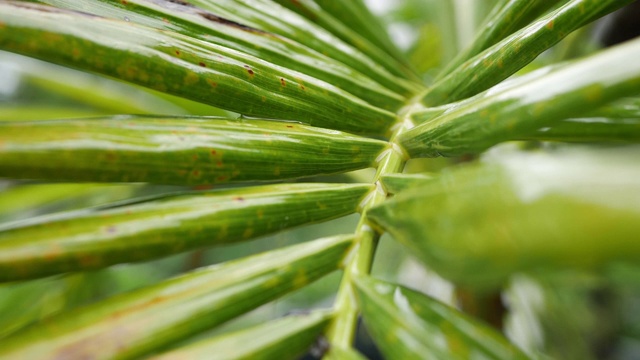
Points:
(196, 173)
(249, 70)
(222, 178)
(195, 157)
(302, 87)
(202, 64)
(178, 52)
(124, 2)
(282, 82)
(238, 198)
(550, 25)
(213, 152)
(212, 83)
(290, 126)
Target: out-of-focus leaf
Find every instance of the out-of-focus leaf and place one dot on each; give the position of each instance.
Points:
(137, 323)
(506, 17)
(35, 199)
(200, 24)
(183, 66)
(478, 224)
(92, 239)
(521, 107)
(408, 325)
(395, 183)
(514, 52)
(180, 151)
(285, 338)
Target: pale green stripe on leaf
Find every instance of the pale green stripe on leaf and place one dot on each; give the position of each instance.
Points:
(522, 211)
(151, 229)
(339, 353)
(508, 56)
(183, 66)
(521, 107)
(282, 339)
(506, 17)
(408, 325)
(179, 151)
(140, 322)
(204, 25)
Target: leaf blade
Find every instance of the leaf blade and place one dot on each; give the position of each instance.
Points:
(430, 329)
(177, 151)
(151, 229)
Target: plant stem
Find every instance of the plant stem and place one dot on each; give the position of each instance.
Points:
(341, 332)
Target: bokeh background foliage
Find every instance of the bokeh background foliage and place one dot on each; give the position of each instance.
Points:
(213, 179)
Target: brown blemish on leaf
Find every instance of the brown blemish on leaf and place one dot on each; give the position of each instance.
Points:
(222, 178)
(219, 164)
(249, 70)
(213, 152)
(202, 64)
(550, 25)
(220, 20)
(212, 83)
(282, 82)
(178, 52)
(238, 198)
(196, 173)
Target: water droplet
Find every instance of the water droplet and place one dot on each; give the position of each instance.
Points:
(126, 19)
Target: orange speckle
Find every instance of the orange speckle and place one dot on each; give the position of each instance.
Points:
(219, 164)
(282, 82)
(239, 198)
(212, 83)
(249, 70)
(195, 157)
(178, 52)
(196, 173)
(290, 126)
(213, 152)
(222, 178)
(550, 25)
(202, 64)
(302, 87)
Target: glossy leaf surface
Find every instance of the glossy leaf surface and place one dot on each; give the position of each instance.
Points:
(155, 228)
(520, 108)
(508, 56)
(183, 66)
(269, 16)
(478, 224)
(408, 325)
(201, 24)
(180, 151)
(285, 338)
(139, 322)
